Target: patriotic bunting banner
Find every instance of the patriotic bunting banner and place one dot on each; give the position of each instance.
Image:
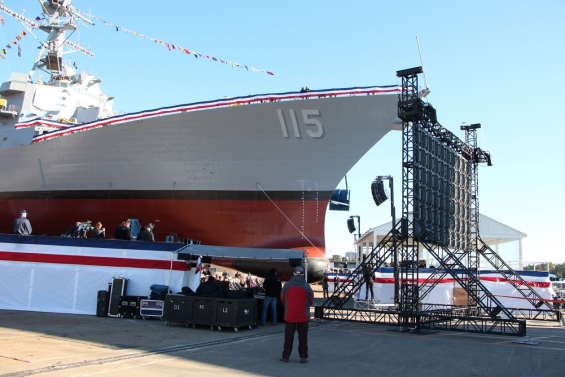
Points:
(172, 47)
(65, 129)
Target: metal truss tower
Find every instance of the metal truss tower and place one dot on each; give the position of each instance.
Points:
(440, 214)
(412, 111)
(473, 259)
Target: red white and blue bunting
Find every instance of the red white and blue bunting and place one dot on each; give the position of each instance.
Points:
(65, 129)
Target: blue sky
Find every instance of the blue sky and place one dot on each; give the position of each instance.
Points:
(495, 63)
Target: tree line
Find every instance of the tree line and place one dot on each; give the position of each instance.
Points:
(556, 269)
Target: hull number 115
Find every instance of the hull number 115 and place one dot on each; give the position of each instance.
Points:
(316, 131)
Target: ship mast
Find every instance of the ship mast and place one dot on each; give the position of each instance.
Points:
(60, 17)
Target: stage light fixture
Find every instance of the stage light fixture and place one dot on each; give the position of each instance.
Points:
(378, 190)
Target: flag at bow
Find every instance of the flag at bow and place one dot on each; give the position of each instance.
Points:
(198, 265)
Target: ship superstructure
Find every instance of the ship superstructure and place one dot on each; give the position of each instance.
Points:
(53, 91)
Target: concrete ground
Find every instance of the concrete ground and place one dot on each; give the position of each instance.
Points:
(78, 345)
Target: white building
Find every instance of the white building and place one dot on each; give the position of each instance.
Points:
(504, 240)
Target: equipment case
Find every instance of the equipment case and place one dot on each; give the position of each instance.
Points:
(152, 308)
(203, 311)
(102, 303)
(236, 313)
(130, 306)
(178, 309)
(119, 288)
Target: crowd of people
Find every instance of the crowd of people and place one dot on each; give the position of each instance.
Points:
(237, 282)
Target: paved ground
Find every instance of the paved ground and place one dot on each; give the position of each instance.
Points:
(77, 345)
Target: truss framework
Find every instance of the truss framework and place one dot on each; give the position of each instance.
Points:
(450, 235)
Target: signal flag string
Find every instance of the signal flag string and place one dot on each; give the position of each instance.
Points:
(171, 46)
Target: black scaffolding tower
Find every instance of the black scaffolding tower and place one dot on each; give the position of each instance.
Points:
(440, 214)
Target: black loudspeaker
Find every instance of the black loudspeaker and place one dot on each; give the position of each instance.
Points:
(206, 260)
(378, 191)
(294, 262)
(102, 303)
(351, 225)
(318, 312)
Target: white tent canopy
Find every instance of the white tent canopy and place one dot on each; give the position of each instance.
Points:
(492, 232)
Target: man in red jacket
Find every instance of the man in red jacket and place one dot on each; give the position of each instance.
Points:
(297, 296)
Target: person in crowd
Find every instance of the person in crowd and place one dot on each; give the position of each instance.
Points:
(234, 284)
(336, 281)
(123, 231)
(98, 231)
(22, 225)
(272, 287)
(369, 278)
(146, 234)
(297, 297)
(252, 282)
(325, 285)
(74, 231)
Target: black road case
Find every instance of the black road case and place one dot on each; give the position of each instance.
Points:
(119, 288)
(236, 313)
(130, 306)
(203, 311)
(178, 309)
(102, 303)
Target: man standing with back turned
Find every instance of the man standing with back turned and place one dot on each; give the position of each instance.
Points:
(297, 296)
(22, 225)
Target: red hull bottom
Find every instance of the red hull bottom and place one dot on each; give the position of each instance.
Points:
(241, 223)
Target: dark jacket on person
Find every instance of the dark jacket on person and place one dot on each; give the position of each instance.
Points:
(325, 281)
(122, 232)
(272, 286)
(368, 275)
(73, 232)
(297, 296)
(98, 233)
(208, 289)
(146, 235)
(22, 226)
